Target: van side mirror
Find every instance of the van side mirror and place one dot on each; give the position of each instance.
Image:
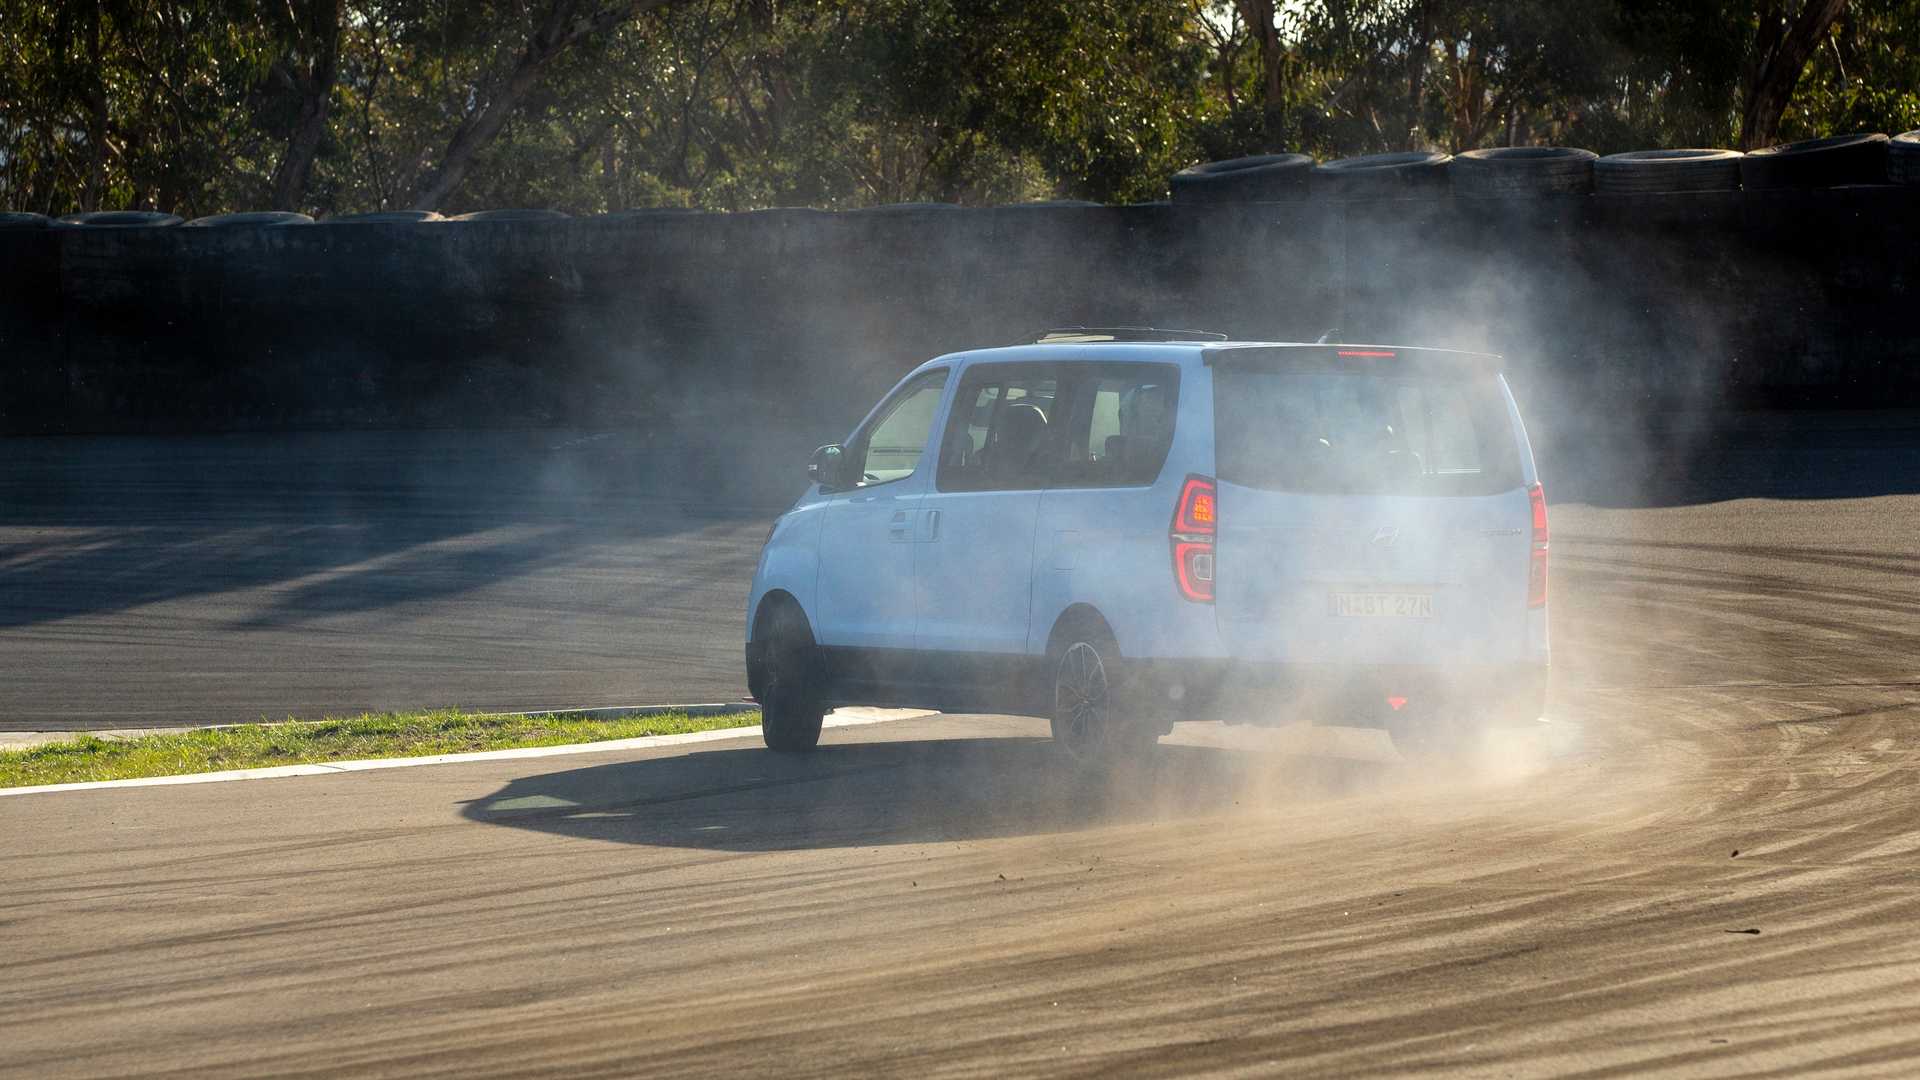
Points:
(828, 466)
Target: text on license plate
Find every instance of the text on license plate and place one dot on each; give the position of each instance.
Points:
(1380, 605)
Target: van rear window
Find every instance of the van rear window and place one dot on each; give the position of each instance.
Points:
(1363, 432)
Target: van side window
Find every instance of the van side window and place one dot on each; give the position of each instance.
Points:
(889, 449)
(1002, 434)
(1119, 424)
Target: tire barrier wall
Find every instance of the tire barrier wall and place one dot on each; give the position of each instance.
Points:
(717, 321)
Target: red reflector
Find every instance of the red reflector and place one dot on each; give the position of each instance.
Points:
(1193, 571)
(1396, 703)
(1366, 352)
(1537, 563)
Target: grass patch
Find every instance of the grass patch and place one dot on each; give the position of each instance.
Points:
(372, 735)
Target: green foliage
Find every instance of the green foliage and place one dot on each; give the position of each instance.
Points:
(1865, 78)
(370, 735)
(194, 105)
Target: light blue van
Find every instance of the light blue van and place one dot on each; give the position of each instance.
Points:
(1119, 529)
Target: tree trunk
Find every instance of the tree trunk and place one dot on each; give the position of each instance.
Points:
(564, 25)
(1778, 59)
(1417, 57)
(320, 35)
(1258, 15)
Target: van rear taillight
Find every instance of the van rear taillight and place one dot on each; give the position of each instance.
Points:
(1537, 564)
(1195, 522)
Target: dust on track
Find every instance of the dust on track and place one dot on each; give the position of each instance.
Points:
(929, 897)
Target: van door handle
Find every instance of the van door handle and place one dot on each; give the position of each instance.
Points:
(933, 526)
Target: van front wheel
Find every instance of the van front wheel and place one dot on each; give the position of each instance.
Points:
(790, 708)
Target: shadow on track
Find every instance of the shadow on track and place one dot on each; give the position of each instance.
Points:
(340, 522)
(905, 792)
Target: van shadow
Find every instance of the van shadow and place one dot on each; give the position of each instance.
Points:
(900, 792)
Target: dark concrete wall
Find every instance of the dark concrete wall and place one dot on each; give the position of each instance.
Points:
(1691, 300)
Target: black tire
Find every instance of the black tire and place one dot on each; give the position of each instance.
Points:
(1264, 178)
(1432, 737)
(1816, 163)
(1644, 172)
(655, 211)
(250, 218)
(513, 215)
(905, 208)
(1508, 171)
(1096, 718)
(1411, 175)
(118, 219)
(1903, 158)
(785, 679)
(385, 217)
(17, 219)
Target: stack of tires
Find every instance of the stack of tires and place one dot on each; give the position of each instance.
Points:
(19, 219)
(1510, 171)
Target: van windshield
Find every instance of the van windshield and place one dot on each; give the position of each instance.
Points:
(1319, 429)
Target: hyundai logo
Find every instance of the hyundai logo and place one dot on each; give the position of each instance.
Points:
(1384, 536)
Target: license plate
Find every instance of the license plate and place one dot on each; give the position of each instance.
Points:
(1380, 605)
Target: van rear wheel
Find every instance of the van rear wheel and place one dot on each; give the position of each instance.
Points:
(1432, 737)
(1095, 719)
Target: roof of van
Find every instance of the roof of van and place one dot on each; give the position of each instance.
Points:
(1207, 351)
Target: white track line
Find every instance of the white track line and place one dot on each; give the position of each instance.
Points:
(842, 718)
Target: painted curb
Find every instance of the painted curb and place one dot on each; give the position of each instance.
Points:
(844, 718)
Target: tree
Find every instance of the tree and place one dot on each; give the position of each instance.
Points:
(564, 24)
(1783, 42)
(1866, 77)
(331, 106)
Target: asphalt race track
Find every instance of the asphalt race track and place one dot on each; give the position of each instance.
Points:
(1708, 864)
(156, 581)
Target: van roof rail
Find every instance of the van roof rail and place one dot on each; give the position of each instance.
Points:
(1119, 333)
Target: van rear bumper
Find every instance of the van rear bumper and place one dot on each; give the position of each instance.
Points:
(1239, 692)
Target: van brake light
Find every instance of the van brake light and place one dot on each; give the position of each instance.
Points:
(1195, 524)
(1537, 562)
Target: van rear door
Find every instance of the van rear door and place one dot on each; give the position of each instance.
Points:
(1371, 507)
